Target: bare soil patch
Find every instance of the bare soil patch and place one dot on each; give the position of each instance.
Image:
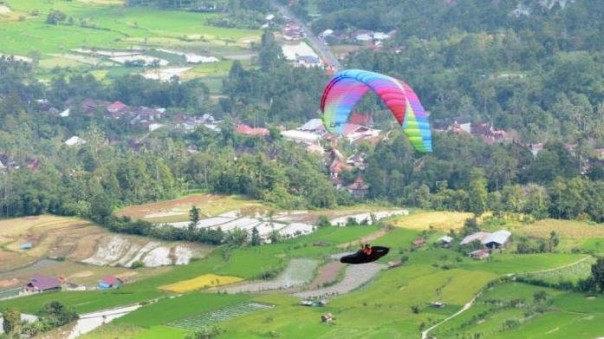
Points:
(354, 277)
(178, 209)
(9, 283)
(82, 274)
(327, 274)
(140, 211)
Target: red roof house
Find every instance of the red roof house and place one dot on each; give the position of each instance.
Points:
(116, 109)
(358, 188)
(247, 130)
(41, 283)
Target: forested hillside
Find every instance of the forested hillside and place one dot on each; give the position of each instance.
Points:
(532, 70)
(532, 66)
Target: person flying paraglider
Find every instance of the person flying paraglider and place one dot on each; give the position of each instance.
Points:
(347, 87)
(366, 254)
(367, 249)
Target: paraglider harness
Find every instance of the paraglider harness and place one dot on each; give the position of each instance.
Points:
(365, 255)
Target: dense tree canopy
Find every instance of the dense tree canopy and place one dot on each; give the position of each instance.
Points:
(521, 74)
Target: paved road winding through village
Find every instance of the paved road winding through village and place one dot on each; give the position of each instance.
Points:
(314, 42)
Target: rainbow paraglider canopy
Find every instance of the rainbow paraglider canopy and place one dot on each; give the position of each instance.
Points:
(347, 87)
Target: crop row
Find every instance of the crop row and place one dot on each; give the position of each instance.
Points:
(209, 318)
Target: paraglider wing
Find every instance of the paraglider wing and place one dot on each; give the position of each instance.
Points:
(347, 87)
(362, 258)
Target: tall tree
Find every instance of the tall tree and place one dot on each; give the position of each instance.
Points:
(478, 192)
(597, 272)
(270, 54)
(12, 321)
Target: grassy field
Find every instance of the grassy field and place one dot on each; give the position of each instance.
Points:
(384, 307)
(179, 307)
(561, 315)
(442, 221)
(110, 25)
(114, 26)
(178, 209)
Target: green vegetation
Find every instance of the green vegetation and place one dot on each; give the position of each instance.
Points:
(430, 274)
(179, 307)
(513, 309)
(110, 27)
(537, 76)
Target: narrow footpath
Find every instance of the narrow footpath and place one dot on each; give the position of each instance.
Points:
(471, 302)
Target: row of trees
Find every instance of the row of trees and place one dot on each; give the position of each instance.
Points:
(97, 177)
(467, 175)
(53, 315)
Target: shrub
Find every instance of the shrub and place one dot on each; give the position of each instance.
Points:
(137, 264)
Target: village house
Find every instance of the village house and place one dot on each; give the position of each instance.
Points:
(301, 137)
(336, 162)
(497, 239)
(356, 161)
(460, 128)
(188, 123)
(251, 131)
(145, 115)
(40, 283)
(336, 167)
(536, 148)
(65, 113)
(26, 246)
(363, 36)
(354, 132)
(358, 188)
(110, 281)
(308, 61)
(488, 134)
(489, 240)
(444, 241)
(313, 126)
(117, 109)
(75, 141)
(208, 119)
(292, 31)
(480, 236)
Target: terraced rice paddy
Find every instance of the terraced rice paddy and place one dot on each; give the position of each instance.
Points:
(210, 318)
(298, 273)
(354, 277)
